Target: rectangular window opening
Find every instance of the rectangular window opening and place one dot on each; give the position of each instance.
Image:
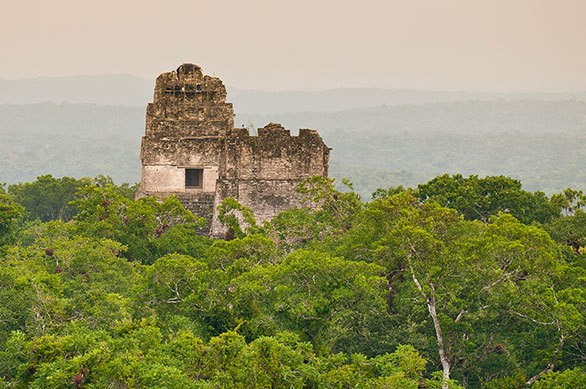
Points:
(193, 178)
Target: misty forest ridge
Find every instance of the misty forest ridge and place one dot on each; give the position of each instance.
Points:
(136, 91)
(76, 126)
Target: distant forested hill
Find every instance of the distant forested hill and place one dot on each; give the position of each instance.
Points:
(539, 142)
(115, 89)
(69, 139)
(123, 89)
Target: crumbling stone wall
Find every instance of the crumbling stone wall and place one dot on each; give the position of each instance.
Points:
(189, 125)
(187, 103)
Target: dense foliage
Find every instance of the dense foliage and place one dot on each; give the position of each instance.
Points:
(461, 282)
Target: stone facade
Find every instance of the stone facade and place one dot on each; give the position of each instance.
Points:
(192, 150)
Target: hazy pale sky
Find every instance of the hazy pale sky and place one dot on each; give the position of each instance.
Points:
(502, 45)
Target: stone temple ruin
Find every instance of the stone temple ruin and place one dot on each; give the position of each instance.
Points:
(192, 150)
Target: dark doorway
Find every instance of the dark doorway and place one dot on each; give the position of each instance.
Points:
(193, 178)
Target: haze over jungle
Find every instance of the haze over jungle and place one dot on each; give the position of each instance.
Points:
(77, 126)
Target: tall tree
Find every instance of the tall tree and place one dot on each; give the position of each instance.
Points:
(480, 198)
(48, 198)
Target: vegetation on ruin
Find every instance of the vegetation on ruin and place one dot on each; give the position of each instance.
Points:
(458, 282)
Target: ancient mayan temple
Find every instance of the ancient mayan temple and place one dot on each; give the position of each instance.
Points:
(192, 150)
